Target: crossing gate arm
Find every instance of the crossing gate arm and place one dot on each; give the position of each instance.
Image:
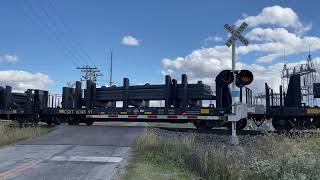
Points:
(158, 117)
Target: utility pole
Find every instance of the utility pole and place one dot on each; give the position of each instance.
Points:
(89, 73)
(110, 76)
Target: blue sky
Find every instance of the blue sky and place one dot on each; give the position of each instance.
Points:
(163, 29)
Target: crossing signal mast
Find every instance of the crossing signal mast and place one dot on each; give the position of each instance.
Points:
(244, 77)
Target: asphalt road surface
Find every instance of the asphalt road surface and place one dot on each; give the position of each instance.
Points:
(69, 152)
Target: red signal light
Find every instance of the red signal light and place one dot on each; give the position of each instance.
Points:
(244, 78)
(225, 77)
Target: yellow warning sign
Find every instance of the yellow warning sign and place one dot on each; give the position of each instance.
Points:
(313, 111)
(204, 111)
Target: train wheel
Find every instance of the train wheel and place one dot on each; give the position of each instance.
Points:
(21, 121)
(56, 121)
(282, 125)
(73, 121)
(35, 123)
(242, 123)
(49, 122)
(316, 122)
(89, 122)
(201, 125)
(306, 123)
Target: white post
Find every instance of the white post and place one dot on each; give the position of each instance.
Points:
(234, 137)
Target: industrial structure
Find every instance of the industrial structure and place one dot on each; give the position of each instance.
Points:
(307, 72)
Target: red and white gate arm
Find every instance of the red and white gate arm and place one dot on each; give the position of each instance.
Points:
(240, 112)
(115, 116)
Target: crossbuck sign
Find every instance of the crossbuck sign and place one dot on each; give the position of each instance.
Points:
(236, 34)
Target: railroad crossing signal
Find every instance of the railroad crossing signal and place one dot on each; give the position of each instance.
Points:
(236, 34)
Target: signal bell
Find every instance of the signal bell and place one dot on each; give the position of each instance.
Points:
(244, 78)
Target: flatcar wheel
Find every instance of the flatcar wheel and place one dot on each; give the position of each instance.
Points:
(35, 123)
(21, 122)
(281, 125)
(201, 125)
(56, 121)
(316, 122)
(73, 121)
(49, 121)
(89, 122)
(241, 124)
(306, 123)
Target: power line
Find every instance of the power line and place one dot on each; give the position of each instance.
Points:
(51, 33)
(62, 22)
(55, 29)
(46, 31)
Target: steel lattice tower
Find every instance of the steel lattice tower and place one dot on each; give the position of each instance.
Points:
(307, 72)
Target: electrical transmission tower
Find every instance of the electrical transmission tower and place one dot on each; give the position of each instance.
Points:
(308, 77)
(89, 73)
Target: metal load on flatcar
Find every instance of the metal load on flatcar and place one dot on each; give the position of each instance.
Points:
(175, 95)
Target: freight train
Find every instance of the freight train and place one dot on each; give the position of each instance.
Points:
(183, 103)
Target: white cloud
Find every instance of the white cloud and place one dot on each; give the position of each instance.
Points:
(277, 15)
(130, 41)
(271, 32)
(203, 65)
(214, 39)
(167, 72)
(23, 80)
(9, 58)
(276, 41)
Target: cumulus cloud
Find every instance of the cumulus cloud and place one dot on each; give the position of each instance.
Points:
(276, 15)
(203, 65)
(167, 72)
(23, 80)
(274, 30)
(274, 41)
(130, 41)
(9, 58)
(214, 39)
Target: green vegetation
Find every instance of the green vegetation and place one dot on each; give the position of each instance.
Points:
(10, 133)
(189, 157)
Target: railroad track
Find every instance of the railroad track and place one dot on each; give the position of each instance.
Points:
(241, 132)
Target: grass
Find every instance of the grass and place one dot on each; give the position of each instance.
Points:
(10, 133)
(149, 164)
(187, 157)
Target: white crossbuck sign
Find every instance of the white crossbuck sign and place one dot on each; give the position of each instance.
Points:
(236, 34)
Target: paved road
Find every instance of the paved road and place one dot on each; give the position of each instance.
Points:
(69, 152)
